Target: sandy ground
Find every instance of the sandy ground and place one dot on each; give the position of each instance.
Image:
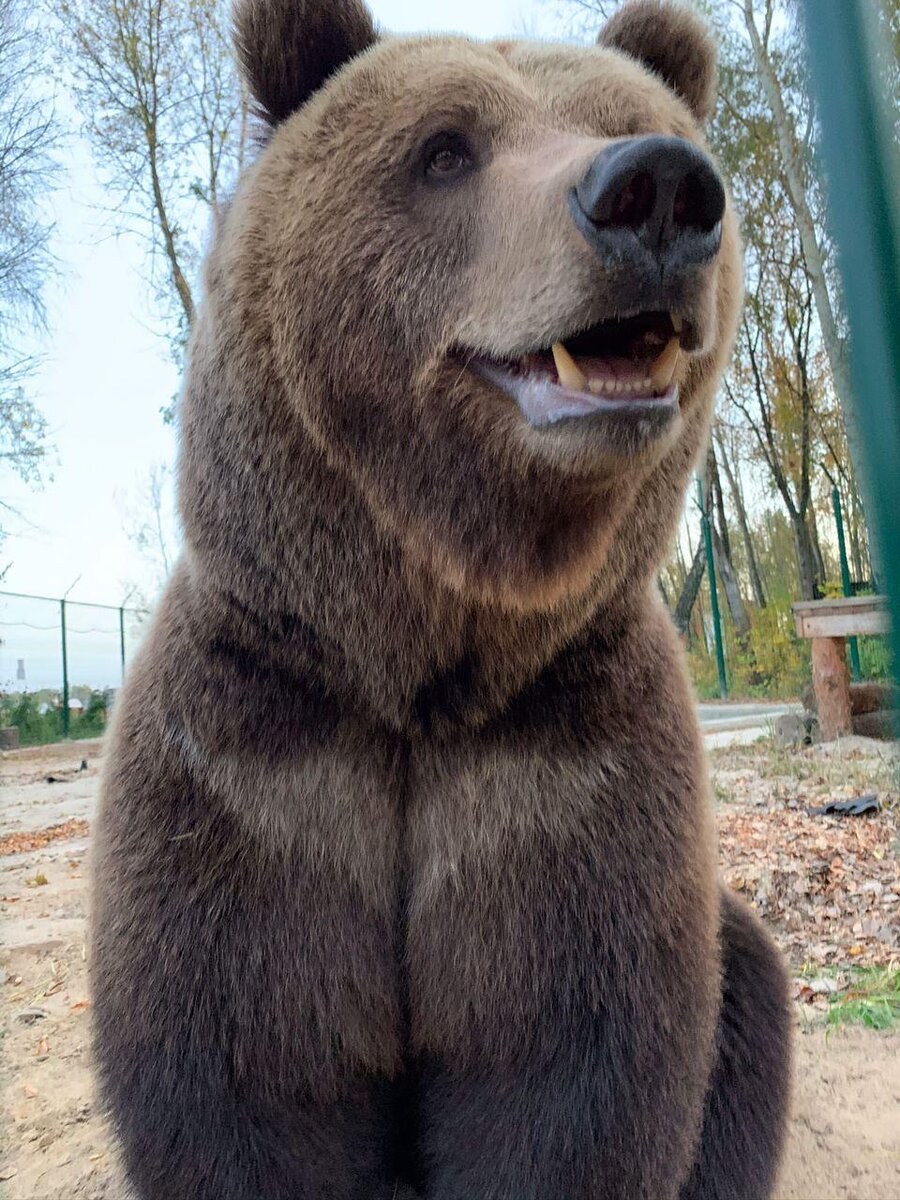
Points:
(845, 1135)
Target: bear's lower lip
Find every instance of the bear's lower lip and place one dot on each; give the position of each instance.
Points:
(543, 402)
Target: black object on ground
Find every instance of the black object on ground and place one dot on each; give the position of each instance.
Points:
(859, 807)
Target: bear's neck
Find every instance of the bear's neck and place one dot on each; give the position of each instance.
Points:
(287, 562)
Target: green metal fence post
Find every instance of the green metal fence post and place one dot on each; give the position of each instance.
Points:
(846, 585)
(713, 594)
(65, 669)
(863, 178)
(122, 639)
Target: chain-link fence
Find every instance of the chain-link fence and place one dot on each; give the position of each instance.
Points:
(61, 663)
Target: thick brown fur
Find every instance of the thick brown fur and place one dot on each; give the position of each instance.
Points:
(405, 864)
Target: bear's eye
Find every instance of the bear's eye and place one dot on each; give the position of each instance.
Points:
(448, 156)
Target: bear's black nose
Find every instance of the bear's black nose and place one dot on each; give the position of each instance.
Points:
(660, 194)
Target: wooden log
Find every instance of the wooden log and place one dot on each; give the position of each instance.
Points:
(831, 680)
(866, 697)
(883, 724)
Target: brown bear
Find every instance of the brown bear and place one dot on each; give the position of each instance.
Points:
(405, 868)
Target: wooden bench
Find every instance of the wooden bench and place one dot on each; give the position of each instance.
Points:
(828, 623)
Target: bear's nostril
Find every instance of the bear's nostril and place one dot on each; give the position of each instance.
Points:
(634, 204)
(695, 204)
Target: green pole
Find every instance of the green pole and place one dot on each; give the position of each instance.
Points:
(846, 586)
(122, 640)
(713, 593)
(65, 669)
(863, 179)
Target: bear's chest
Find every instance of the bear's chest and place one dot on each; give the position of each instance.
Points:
(540, 878)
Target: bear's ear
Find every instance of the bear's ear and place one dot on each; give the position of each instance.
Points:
(674, 43)
(288, 48)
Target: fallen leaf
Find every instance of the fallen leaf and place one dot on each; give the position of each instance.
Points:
(37, 839)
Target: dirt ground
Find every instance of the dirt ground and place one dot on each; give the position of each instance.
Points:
(845, 1134)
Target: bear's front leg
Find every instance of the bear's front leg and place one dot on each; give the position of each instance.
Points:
(564, 975)
(746, 1109)
(247, 1019)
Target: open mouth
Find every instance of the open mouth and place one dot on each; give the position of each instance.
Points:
(620, 366)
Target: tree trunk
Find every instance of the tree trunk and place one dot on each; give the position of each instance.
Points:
(735, 600)
(821, 572)
(791, 155)
(712, 473)
(685, 603)
(722, 547)
(182, 287)
(854, 520)
(679, 558)
(737, 499)
(806, 559)
(698, 619)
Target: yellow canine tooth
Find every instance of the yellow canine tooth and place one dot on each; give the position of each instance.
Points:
(662, 370)
(570, 375)
(677, 322)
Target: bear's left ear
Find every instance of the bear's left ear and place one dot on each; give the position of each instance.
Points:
(672, 42)
(288, 48)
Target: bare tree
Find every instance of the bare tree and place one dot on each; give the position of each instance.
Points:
(684, 605)
(27, 170)
(801, 186)
(771, 386)
(23, 429)
(156, 85)
(150, 523)
(838, 469)
(722, 547)
(740, 508)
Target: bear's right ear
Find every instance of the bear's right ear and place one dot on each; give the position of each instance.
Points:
(671, 41)
(288, 48)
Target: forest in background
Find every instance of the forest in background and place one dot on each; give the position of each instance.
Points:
(157, 96)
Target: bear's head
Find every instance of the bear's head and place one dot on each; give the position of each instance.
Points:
(488, 287)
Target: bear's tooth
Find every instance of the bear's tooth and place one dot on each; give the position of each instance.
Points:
(677, 322)
(570, 374)
(662, 370)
